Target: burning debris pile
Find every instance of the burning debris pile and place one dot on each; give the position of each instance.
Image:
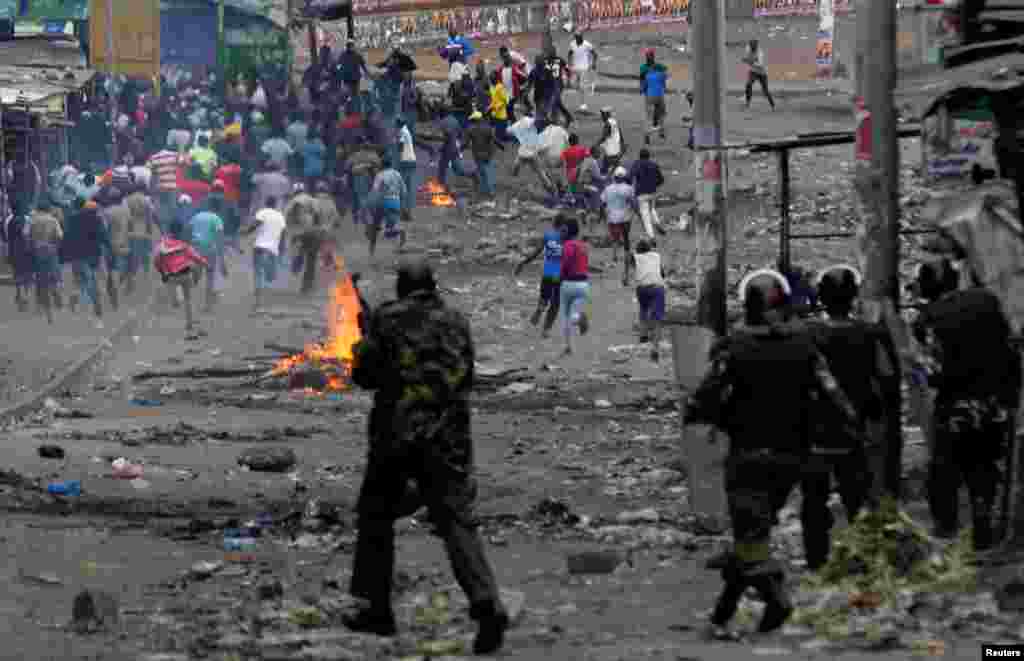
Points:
(326, 366)
(435, 194)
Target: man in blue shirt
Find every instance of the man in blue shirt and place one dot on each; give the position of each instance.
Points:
(207, 237)
(550, 282)
(459, 45)
(653, 81)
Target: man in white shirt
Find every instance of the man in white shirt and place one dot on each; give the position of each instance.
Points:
(754, 58)
(407, 163)
(270, 227)
(582, 67)
(527, 133)
(554, 140)
(611, 140)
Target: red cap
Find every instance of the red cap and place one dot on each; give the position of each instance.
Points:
(218, 185)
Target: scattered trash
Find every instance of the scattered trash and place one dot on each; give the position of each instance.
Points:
(517, 388)
(596, 562)
(123, 469)
(268, 460)
(306, 617)
(46, 578)
(69, 488)
(168, 390)
(602, 404)
(550, 512)
(139, 484)
(94, 610)
(201, 571)
(51, 452)
(138, 401)
(269, 590)
(649, 515)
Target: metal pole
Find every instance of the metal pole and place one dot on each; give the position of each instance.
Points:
(111, 70)
(706, 460)
(710, 162)
(221, 48)
(878, 189)
(785, 261)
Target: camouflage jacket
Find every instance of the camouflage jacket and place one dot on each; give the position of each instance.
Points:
(418, 356)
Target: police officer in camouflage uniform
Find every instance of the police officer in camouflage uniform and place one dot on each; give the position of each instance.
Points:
(418, 356)
(860, 362)
(762, 380)
(967, 358)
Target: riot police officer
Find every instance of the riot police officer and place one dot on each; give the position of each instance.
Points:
(761, 381)
(967, 358)
(860, 362)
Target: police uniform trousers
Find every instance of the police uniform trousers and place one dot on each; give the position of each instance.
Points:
(444, 484)
(757, 485)
(970, 438)
(850, 469)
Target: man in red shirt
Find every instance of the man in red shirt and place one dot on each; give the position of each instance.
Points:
(231, 175)
(572, 156)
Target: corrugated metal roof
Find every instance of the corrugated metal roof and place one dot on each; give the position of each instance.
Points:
(34, 85)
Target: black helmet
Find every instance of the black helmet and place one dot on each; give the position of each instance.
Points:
(838, 287)
(414, 275)
(935, 278)
(765, 295)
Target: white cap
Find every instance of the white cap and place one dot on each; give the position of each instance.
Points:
(298, 188)
(620, 172)
(607, 110)
(184, 199)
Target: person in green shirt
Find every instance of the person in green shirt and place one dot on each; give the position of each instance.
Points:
(203, 156)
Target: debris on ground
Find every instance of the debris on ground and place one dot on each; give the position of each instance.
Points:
(551, 513)
(268, 460)
(94, 610)
(51, 452)
(886, 582)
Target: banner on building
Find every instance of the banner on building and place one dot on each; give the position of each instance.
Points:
(600, 14)
(823, 45)
(797, 7)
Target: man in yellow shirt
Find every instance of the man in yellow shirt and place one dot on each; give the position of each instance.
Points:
(499, 107)
(203, 156)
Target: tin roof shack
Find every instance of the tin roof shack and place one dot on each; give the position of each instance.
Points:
(34, 110)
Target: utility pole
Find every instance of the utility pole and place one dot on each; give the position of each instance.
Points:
(705, 460)
(111, 72)
(221, 49)
(877, 185)
(708, 36)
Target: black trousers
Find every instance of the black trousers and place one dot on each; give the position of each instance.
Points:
(761, 78)
(851, 472)
(970, 438)
(448, 490)
(757, 486)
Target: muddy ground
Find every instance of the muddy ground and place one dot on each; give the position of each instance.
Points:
(574, 454)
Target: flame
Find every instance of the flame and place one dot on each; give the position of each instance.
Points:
(439, 196)
(333, 356)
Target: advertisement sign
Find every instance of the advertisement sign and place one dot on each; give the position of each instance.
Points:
(598, 14)
(136, 31)
(796, 7)
(33, 11)
(826, 30)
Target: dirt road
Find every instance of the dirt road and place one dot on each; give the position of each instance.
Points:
(573, 455)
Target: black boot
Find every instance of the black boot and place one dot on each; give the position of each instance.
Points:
(490, 635)
(367, 620)
(778, 605)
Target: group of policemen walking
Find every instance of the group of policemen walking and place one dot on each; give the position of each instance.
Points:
(802, 402)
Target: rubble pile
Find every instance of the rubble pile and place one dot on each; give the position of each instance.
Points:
(888, 584)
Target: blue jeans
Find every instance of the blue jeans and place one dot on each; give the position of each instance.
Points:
(264, 266)
(142, 252)
(449, 161)
(486, 172)
(575, 295)
(84, 271)
(408, 172)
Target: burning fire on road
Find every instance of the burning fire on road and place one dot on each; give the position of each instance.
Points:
(326, 366)
(436, 194)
